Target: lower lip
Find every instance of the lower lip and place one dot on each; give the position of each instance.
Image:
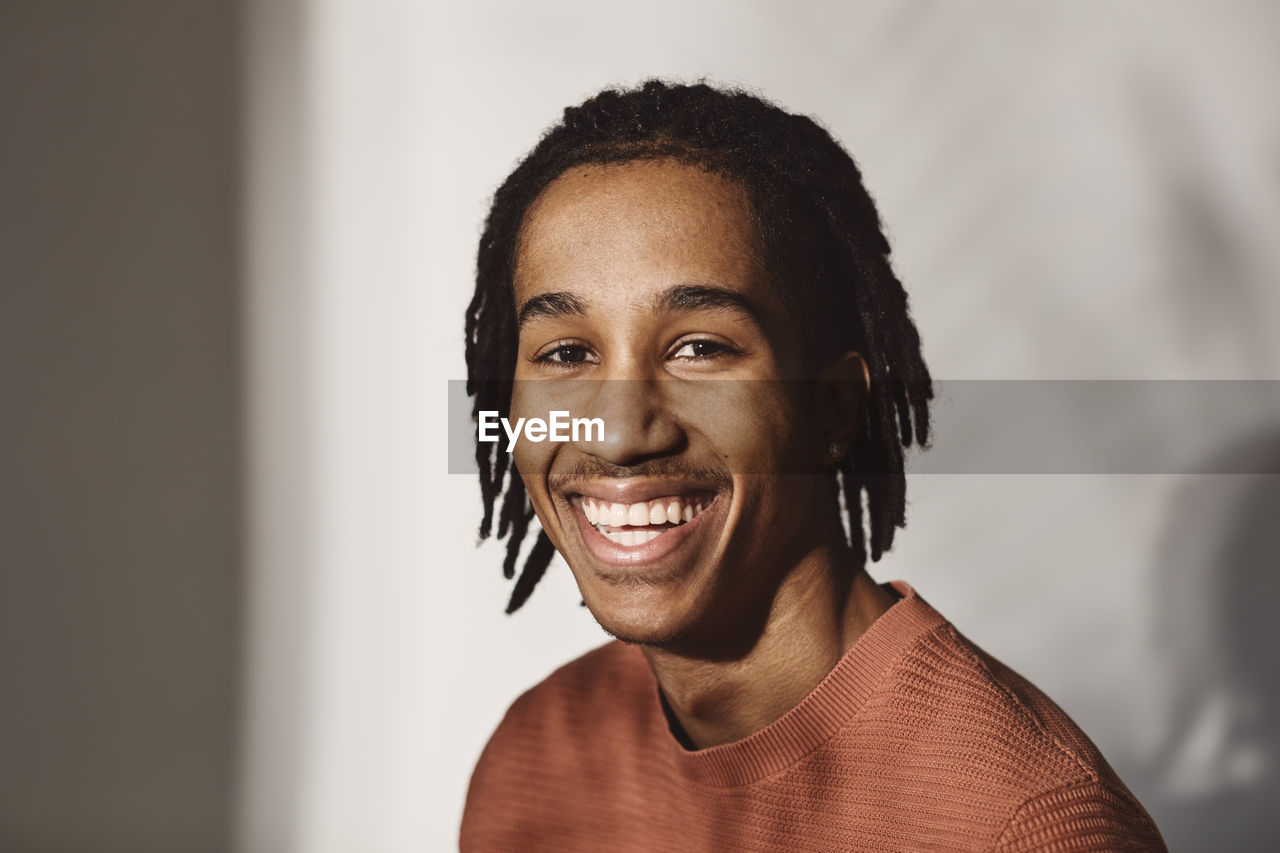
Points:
(643, 556)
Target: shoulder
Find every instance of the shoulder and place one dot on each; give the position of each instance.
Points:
(1006, 742)
(598, 676)
(613, 677)
(1085, 816)
(551, 734)
(547, 717)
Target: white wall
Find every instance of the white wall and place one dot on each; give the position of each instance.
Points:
(1074, 191)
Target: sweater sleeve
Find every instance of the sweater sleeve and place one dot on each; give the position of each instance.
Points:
(1088, 816)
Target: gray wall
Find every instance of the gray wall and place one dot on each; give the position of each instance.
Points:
(120, 570)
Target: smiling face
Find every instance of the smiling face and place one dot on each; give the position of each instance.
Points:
(705, 493)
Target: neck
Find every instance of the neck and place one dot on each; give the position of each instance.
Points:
(821, 609)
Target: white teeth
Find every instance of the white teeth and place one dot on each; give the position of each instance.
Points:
(636, 517)
(631, 537)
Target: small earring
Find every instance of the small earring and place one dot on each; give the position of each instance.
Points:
(835, 450)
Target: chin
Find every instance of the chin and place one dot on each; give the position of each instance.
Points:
(642, 635)
(640, 617)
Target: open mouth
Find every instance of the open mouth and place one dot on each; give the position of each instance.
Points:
(639, 523)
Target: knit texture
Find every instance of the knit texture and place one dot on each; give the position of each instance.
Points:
(916, 740)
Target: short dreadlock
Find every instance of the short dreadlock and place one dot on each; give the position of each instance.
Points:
(816, 223)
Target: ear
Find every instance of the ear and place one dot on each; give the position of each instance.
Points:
(843, 387)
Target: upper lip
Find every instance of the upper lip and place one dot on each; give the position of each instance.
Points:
(638, 490)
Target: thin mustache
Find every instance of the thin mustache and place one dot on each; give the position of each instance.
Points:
(584, 472)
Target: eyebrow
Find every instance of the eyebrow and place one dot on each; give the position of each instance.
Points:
(701, 297)
(680, 298)
(551, 305)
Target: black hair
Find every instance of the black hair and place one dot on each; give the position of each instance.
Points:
(816, 223)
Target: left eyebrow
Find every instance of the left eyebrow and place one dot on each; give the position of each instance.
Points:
(700, 297)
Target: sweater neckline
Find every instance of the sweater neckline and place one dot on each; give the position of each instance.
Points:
(820, 714)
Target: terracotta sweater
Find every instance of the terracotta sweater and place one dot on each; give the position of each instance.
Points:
(917, 740)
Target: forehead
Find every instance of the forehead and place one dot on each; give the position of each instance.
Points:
(638, 225)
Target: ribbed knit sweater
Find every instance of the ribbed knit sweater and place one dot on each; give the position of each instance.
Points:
(916, 740)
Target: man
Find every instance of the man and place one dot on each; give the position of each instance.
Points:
(706, 275)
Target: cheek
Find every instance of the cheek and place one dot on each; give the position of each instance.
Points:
(754, 426)
(530, 458)
(532, 461)
(764, 432)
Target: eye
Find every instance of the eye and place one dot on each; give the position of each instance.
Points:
(565, 354)
(702, 349)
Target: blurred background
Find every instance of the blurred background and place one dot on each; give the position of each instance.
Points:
(241, 606)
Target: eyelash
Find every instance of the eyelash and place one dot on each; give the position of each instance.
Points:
(721, 350)
(546, 357)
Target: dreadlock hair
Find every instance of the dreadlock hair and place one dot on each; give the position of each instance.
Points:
(820, 236)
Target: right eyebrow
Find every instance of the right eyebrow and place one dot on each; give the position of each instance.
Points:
(551, 305)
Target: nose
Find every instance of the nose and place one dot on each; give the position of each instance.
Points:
(638, 423)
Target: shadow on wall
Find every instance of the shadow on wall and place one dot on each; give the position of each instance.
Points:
(1215, 781)
(120, 508)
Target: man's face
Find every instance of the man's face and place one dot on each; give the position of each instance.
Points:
(642, 302)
